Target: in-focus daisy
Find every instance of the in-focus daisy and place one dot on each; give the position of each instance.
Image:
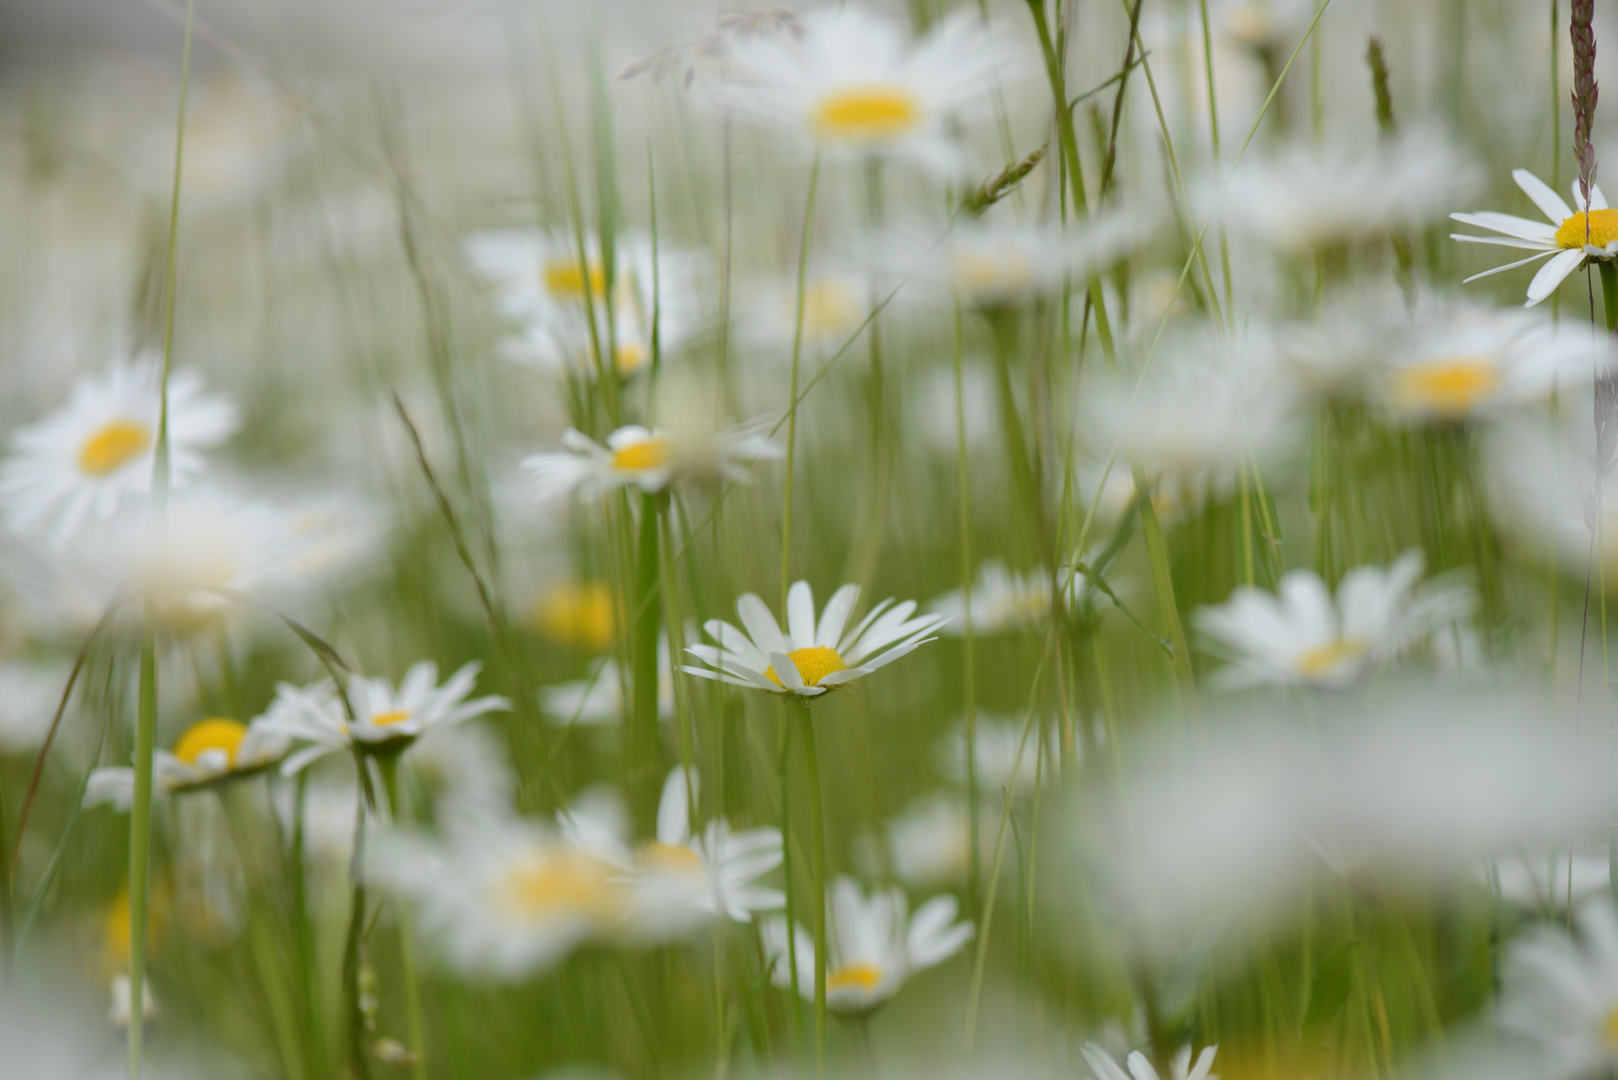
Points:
(812, 656)
(650, 460)
(1562, 994)
(212, 751)
(86, 459)
(853, 84)
(1568, 240)
(1305, 635)
(873, 945)
(1005, 600)
(682, 879)
(385, 720)
(1106, 1067)
(504, 897)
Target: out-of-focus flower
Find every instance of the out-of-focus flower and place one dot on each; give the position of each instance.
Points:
(1106, 1067)
(993, 264)
(601, 698)
(873, 945)
(928, 845)
(1306, 198)
(467, 769)
(1562, 995)
(834, 306)
(1547, 489)
(683, 879)
(503, 897)
(852, 84)
(1537, 881)
(97, 451)
(29, 694)
(1570, 238)
(1005, 600)
(211, 751)
(812, 657)
(385, 720)
(1003, 760)
(118, 1013)
(649, 460)
(1305, 635)
(580, 614)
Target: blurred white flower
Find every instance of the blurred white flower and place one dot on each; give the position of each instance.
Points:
(1106, 1067)
(928, 845)
(118, 1013)
(873, 945)
(29, 694)
(989, 263)
(1569, 240)
(835, 304)
(603, 697)
(812, 657)
(1005, 600)
(1303, 634)
(85, 460)
(210, 751)
(1537, 880)
(1561, 994)
(650, 460)
(1003, 761)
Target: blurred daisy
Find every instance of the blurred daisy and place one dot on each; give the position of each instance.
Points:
(29, 694)
(385, 720)
(1537, 881)
(503, 897)
(682, 879)
(1562, 994)
(852, 83)
(604, 697)
(992, 264)
(873, 945)
(1571, 238)
(812, 657)
(928, 845)
(1004, 762)
(834, 306)
(1106, 1067)
(650, 460)
(1004, 600)
(211, 751)
(1305, 635)
(578, 614)
(86, 459)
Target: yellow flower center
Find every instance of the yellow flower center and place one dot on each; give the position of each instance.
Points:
(1603, 229)
(1609, 1028)
(581, 615)
(566, 278)
(866, 114)
(1323, 659)
(829, 307)
(542, 885)
(112, 446)
(671, 858)
(388, 719)
(865, 977)
(652, 453)
(208, 737)
(814, 663)
(1003, 271)
(630, 357)
(1451, 386)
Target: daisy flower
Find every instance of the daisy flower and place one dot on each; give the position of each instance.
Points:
(873, 945)
(1305, 635)
(1537, 880)
(929, 843)
(503, 897)
(835, 304)
(386, 721)
(992, 264)
(682, 879)
(1562, 995)
(1106, 1067)
(578, 614)
(812, 656)
(29, 694)
(1005, 600)
(211, 751)
(87, 459)
(997, 742)
(851, 83)
(650, 460)
(1571, 237)
(604, 697)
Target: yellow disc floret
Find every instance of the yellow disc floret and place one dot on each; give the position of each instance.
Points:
(1601, 227)
(1609, 1027)
(675, 858)
(1324, 659)
(112, 446)
(213, 736)
(865, 977)
(830, 307)
(581, 615)
(389, 719)
(866, 114)
(550, 884)
(1451, 387)
(566, 278)
(813, 662)
(652, 453)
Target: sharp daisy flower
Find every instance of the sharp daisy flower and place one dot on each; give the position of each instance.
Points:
(1005, 600)
(1106, 1067)
(683, 879)
(1305, 635)
(1569, 239)
(873, 943)
(1562, 994)
(386, 720)
(812, 656)
(210, 752)
(647, 459)
(852, 84)
(87, 459)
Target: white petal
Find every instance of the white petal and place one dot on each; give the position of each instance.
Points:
(1549, 203)
(801, 615)
(1552, 274)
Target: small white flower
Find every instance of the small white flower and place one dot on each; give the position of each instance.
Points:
(604, 697)
(385, 719)
(1004, 761)
(873, 945)
(650, 460)
(97, 451)
(991, 264)
(812, 657)
(1004, 600)
(1106, 1067)
(929, 843)
(1569, 240)
(1562, 995)
(1305, 635)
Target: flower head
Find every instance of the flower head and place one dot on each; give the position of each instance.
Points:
(1562, 994)
(647, 459)
(211, 751)
(1568, 241)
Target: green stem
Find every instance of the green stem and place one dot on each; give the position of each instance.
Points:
(303, 931)
(353, 959)
(140, 835)
(1609, 291)
(817, 845)
(642, 737)
(792, 406)
(407, 947)
(963, 489)
(1163, 583)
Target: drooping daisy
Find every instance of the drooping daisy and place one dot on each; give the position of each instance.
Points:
(214, 750)
(650, 460)
(1005, 600)
(504, 897)
(1561, 994)
(1568, 241)
(1305, 635)
(86, 459)
(1106, 1067)
(385, 720)
(873, 944)
(684, 878)
(852, 84)
(811, 657)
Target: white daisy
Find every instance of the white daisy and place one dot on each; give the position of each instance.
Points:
(929, 844)
(683, 879)
(209, 752)
(873, 945)
(834, 305)
(1537, 881)
(29, 694)
(604, 697)
(990, 264)
(1562, 995)
(852, 84)
(1305, 635)
(385, 720)
(1106, 1067)
(1568, 241)
(650, 460)
(996, 742)
(503, 897)
(86, 459)
(812, 657)
(1005, 600)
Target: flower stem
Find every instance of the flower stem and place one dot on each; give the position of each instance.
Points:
(817, 863)
(1609, 291)
(642, 742)
(407, 947)
(1163, 582)
(140, 835)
